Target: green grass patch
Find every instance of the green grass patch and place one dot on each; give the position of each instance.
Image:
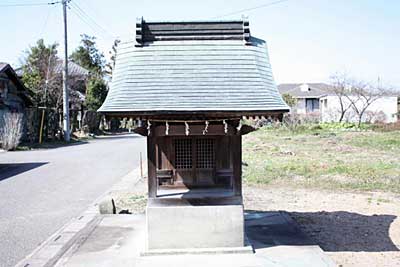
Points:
(378, 140)
(324, 158)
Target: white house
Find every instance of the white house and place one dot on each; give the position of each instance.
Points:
(318, 99)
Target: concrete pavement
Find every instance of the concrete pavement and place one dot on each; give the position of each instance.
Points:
(41, 190)
(118, 240)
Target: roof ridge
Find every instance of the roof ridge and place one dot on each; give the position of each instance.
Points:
(191, 30)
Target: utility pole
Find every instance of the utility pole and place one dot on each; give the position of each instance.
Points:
(65, 77)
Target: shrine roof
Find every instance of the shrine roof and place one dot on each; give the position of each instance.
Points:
(193, 67)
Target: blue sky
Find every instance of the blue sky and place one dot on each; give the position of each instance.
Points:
(308, 40)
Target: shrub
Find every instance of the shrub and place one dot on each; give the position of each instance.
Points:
(300, 122)
(11, 132)
(91, 121)
(387, 127)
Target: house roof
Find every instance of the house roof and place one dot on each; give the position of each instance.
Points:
(23, 92)
(305, 90)
(3, 66)
(74, 70)
(193, 67)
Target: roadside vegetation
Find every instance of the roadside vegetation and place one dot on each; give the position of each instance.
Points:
(325, 156)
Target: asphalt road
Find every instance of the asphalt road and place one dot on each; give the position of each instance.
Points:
(41, 190)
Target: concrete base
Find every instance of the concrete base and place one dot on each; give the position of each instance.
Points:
(184, 224)
(118, 241)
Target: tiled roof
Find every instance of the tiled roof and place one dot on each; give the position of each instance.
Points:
(74, 70)
(2, 66)
(315, 90)
(193, 75)
(22, 90)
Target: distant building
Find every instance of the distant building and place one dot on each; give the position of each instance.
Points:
(318, 99)
(78, 77)
(13, 94)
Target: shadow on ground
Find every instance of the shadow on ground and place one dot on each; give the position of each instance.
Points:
(332, 231)
(117, 136)
(274, 228)
(48, 145)
(12, 169)
(347, 231)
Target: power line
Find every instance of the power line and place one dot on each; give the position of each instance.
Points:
(250, 9)
(90, 19)
(30, 4)
(46, 21)
(84, 20)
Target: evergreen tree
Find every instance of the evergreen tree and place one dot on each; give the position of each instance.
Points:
(88, 56)
(96, 93)
(39, 73)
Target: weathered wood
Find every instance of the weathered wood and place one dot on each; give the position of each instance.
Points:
(151, 165)
(194, 161)
(245, 129)
(221, 174)
(193, 26)
(164, 176)
(236, 146)
(179, 130)
(190, 115)
(223, 151)
(194, 31)
(148, 32)
(140, 130)
(194, 37)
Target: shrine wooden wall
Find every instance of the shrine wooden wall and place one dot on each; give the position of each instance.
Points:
(226, 159)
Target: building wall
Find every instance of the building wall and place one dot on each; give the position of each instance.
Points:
(300, 107)
(9, 95)
(2, 112)
(383, 109)
(9, 99)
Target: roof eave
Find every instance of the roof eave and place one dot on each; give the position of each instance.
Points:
(23, 92)
(197, 113)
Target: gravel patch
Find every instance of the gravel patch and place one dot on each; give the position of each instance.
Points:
(355, 229)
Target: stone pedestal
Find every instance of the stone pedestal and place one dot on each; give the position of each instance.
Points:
(191, 224)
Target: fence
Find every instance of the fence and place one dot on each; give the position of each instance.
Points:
(52, 123)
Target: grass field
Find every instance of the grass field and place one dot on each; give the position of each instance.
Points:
(323, 158)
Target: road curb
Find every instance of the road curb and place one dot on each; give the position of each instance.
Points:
(75, 231)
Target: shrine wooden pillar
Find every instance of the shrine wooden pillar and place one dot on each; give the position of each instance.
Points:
(152, 166)
(236, 150)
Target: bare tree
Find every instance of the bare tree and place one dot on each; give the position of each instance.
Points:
(11, 132)
(362, 95)
(111, 65)
(340, 86)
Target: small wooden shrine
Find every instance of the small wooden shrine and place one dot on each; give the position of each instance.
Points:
(188, 85)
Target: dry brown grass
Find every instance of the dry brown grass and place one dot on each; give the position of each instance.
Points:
(12, 130)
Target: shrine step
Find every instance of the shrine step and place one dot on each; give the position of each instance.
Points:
(198, 251)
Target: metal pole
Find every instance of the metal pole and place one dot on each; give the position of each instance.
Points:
(65, 77)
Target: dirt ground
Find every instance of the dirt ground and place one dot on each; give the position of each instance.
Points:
(354, 229)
